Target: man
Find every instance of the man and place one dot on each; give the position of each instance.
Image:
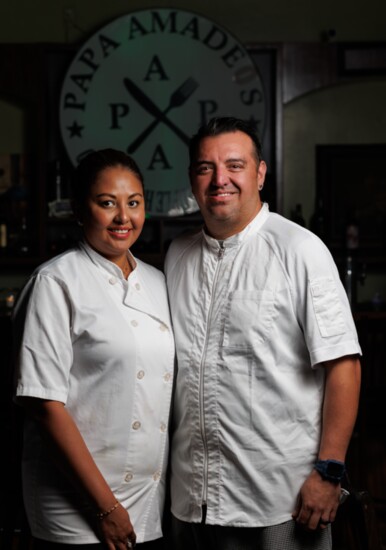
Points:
(268, 371)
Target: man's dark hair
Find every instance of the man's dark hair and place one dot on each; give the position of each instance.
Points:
(92, 165)
(225, 125)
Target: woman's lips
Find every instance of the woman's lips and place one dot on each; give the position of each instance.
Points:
(119, 232)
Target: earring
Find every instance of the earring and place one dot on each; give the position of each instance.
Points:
(260, 187)
(79, 223)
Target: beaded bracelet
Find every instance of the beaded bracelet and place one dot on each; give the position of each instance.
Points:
(101, 515)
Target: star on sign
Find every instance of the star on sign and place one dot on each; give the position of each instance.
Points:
(75, 130)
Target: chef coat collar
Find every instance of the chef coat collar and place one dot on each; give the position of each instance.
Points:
(101, 262)
(137, 299)
(237, 239)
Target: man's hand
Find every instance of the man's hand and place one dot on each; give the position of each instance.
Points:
(317, 503)
(318, 499)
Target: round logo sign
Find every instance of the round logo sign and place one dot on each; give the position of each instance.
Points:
(144, 84)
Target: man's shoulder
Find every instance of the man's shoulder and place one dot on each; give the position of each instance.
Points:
(295, 247)
(287, 236)
(182, 246)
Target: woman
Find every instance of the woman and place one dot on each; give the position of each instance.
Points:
(95, 359)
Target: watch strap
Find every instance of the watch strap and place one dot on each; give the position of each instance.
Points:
(331, 470)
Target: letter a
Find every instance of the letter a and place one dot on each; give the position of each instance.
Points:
(156, 68)
(159, 157)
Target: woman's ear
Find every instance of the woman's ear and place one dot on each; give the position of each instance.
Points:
(77, 211)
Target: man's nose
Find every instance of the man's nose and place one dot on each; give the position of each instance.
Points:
(220, 177)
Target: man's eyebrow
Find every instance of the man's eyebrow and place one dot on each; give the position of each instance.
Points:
(227, 161)
(198, 162)
(239, 159)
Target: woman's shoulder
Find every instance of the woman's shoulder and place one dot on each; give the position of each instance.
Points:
(66, 263)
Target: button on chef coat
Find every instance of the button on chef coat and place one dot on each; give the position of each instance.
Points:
(91, 339)
(251, 315)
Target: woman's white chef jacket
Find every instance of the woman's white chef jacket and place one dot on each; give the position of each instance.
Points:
(104, 346)
(251, 316)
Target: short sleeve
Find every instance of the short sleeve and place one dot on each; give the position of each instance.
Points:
(322, 306)
(42, 339)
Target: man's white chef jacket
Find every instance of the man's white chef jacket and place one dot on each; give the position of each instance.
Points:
(252, 316)
(102, 345)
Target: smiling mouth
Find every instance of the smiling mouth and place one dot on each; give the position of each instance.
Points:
(222, 195)
(120, 232)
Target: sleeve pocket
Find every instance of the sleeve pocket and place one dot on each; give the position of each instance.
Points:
(327, 307)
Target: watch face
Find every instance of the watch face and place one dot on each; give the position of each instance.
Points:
(145, 83)
(334, 469)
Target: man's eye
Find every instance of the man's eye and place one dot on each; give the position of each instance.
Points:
(202, 169)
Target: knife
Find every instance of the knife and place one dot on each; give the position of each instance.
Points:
(152, 108)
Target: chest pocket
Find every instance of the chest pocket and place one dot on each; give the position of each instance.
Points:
(248, 318)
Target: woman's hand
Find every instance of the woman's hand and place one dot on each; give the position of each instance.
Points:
(72, 456)
(116, 530)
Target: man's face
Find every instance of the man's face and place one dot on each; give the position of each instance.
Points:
(225, 178)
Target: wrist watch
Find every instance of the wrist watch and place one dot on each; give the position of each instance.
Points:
(330, 470)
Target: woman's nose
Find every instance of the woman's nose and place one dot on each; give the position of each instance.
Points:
(122, 215)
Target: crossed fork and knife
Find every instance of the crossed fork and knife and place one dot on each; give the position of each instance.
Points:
(177, 98)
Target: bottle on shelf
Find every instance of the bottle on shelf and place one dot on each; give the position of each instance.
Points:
(352, 233)
(17, 198)
(22, 245)
(59, 207)
(3, 236)
(318, 223)
(351, 262)
(350, 279)
(297, 215)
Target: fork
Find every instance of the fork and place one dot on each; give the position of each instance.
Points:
(178, 98)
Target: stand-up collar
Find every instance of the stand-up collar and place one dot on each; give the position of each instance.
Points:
(103, 263)
(236, 240)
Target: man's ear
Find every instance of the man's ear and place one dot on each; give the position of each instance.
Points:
(261, 172)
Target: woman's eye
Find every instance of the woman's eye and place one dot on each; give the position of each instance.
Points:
(133, 204)
(107, 204)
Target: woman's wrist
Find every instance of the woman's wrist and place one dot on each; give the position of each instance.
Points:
(104, 513)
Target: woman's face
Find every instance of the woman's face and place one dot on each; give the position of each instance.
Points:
(114, 213)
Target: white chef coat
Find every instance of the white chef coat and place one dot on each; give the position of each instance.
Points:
(252, 316)
(104, 346)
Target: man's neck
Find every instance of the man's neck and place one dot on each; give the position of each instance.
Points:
(223, 229)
